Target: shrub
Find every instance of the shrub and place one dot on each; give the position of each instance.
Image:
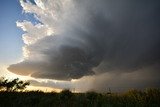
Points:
(12, 85)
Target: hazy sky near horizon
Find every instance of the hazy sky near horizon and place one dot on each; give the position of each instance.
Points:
(104, 42)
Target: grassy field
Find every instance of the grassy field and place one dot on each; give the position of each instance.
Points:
(131, 98)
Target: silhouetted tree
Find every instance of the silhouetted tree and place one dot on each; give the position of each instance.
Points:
(12, 85)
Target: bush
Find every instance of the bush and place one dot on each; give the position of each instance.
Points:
(66, 94)
(12, 85)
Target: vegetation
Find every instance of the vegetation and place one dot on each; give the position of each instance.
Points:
(12, 85)
(11, 97)
(132, 98)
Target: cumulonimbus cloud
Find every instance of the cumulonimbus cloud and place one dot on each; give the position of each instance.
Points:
(77, 38)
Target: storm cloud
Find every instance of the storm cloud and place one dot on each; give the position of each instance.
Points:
(78, 38)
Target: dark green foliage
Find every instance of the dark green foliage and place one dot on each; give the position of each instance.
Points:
(12, 85)
(132, 98)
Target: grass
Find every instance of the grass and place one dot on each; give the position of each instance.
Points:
(131, 98)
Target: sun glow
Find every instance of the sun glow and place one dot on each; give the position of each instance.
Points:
(44, 89)
(10, 75)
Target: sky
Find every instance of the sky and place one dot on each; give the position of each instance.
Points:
(66, 43)
(10, 36)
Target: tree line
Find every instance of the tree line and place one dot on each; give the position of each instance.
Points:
(12, 85)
